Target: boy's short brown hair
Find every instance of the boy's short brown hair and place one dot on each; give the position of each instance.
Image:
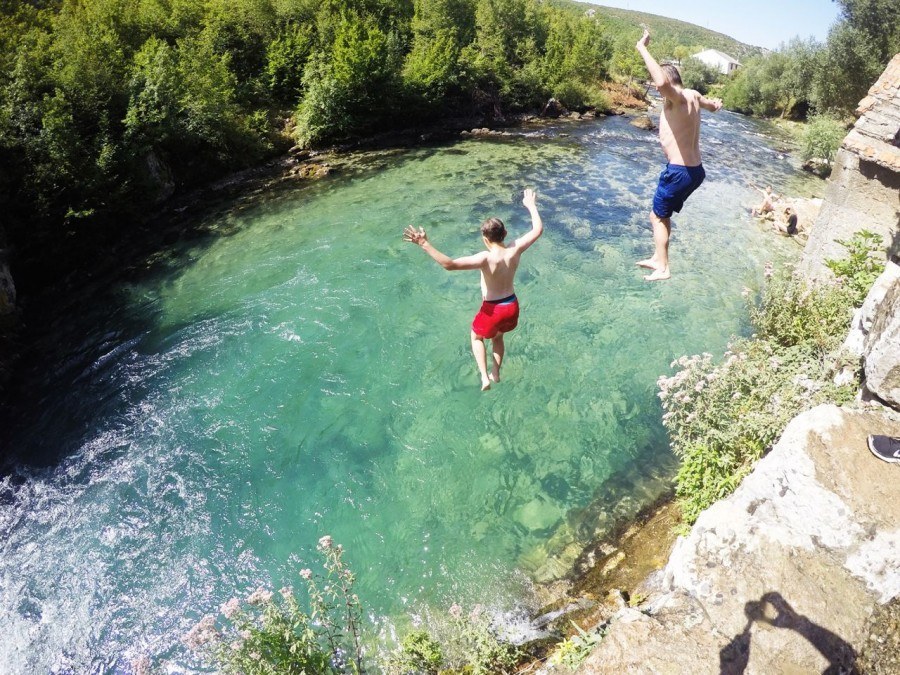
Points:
(493, 230)
(672, 74)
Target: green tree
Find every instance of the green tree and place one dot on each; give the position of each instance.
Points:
(697, 75)
(352, 88)
(847, 67)
(877, 23)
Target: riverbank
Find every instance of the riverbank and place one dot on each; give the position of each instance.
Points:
(798, 568)
(102, 252)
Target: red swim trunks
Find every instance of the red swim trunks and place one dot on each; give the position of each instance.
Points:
(496, 316)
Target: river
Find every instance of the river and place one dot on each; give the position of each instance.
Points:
(188, 434)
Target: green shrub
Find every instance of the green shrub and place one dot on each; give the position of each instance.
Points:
(723, 417)
(484, 651)
(419, 653)
(864, 263)
(456, 642)
(572, 651)
(793, 313)
(576, 95)
(822, 138)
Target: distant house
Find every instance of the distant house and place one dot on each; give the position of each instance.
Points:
(718, 60)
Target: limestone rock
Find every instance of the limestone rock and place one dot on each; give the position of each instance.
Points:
(859, 195)
(864, 189)
(882, 346)
(554, 109)
(782, 575)
(865, 315)
(818, 167)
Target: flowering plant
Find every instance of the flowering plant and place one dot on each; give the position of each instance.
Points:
(271, 634)
(722, 417)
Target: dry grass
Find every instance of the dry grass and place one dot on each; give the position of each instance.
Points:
(624, 97)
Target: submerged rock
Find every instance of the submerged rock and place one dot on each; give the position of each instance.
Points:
(643, 122)
(539, 514)
(818, 167)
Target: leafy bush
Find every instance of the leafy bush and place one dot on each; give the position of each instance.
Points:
(572, 651)
(577, 96)
(697, 75)
(419, 653)
(722, 418)
(269, 634)
(474, 643)
(863, 265)
(822, 137)
(792, 313)
(456, 642)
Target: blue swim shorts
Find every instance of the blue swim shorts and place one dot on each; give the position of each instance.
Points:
(676, 183)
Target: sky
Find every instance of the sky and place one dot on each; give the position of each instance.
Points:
(763, 23)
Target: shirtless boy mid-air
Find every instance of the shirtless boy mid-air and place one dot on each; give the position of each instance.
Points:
(499, 311)
(679, 135)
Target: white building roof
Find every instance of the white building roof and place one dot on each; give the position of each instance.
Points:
(718, 54)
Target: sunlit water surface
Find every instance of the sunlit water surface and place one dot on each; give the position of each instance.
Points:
(304, 372)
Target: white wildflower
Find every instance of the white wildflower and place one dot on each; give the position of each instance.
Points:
(230, 608)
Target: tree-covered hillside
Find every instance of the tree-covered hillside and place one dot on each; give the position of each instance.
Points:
(671, 36)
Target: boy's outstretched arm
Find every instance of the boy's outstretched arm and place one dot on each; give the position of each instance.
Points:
(711, 104)
(420, 239)
(529, 199)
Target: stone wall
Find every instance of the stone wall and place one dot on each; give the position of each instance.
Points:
(864, 189)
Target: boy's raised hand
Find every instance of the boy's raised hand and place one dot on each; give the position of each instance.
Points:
(529, 199)
(412, 235)
(645, 38)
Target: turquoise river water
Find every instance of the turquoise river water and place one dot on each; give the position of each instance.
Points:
(302, 371)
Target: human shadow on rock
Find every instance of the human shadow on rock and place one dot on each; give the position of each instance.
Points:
(774, 610)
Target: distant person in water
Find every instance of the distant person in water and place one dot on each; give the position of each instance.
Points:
(788, 223)
(499, 311)
(768, 201)
(679, 135)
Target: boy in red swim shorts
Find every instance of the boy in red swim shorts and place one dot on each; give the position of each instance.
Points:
(499, 311)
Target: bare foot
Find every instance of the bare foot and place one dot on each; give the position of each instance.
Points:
(649, 263)
(494, 375)
(485, 385)
(658, 275)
